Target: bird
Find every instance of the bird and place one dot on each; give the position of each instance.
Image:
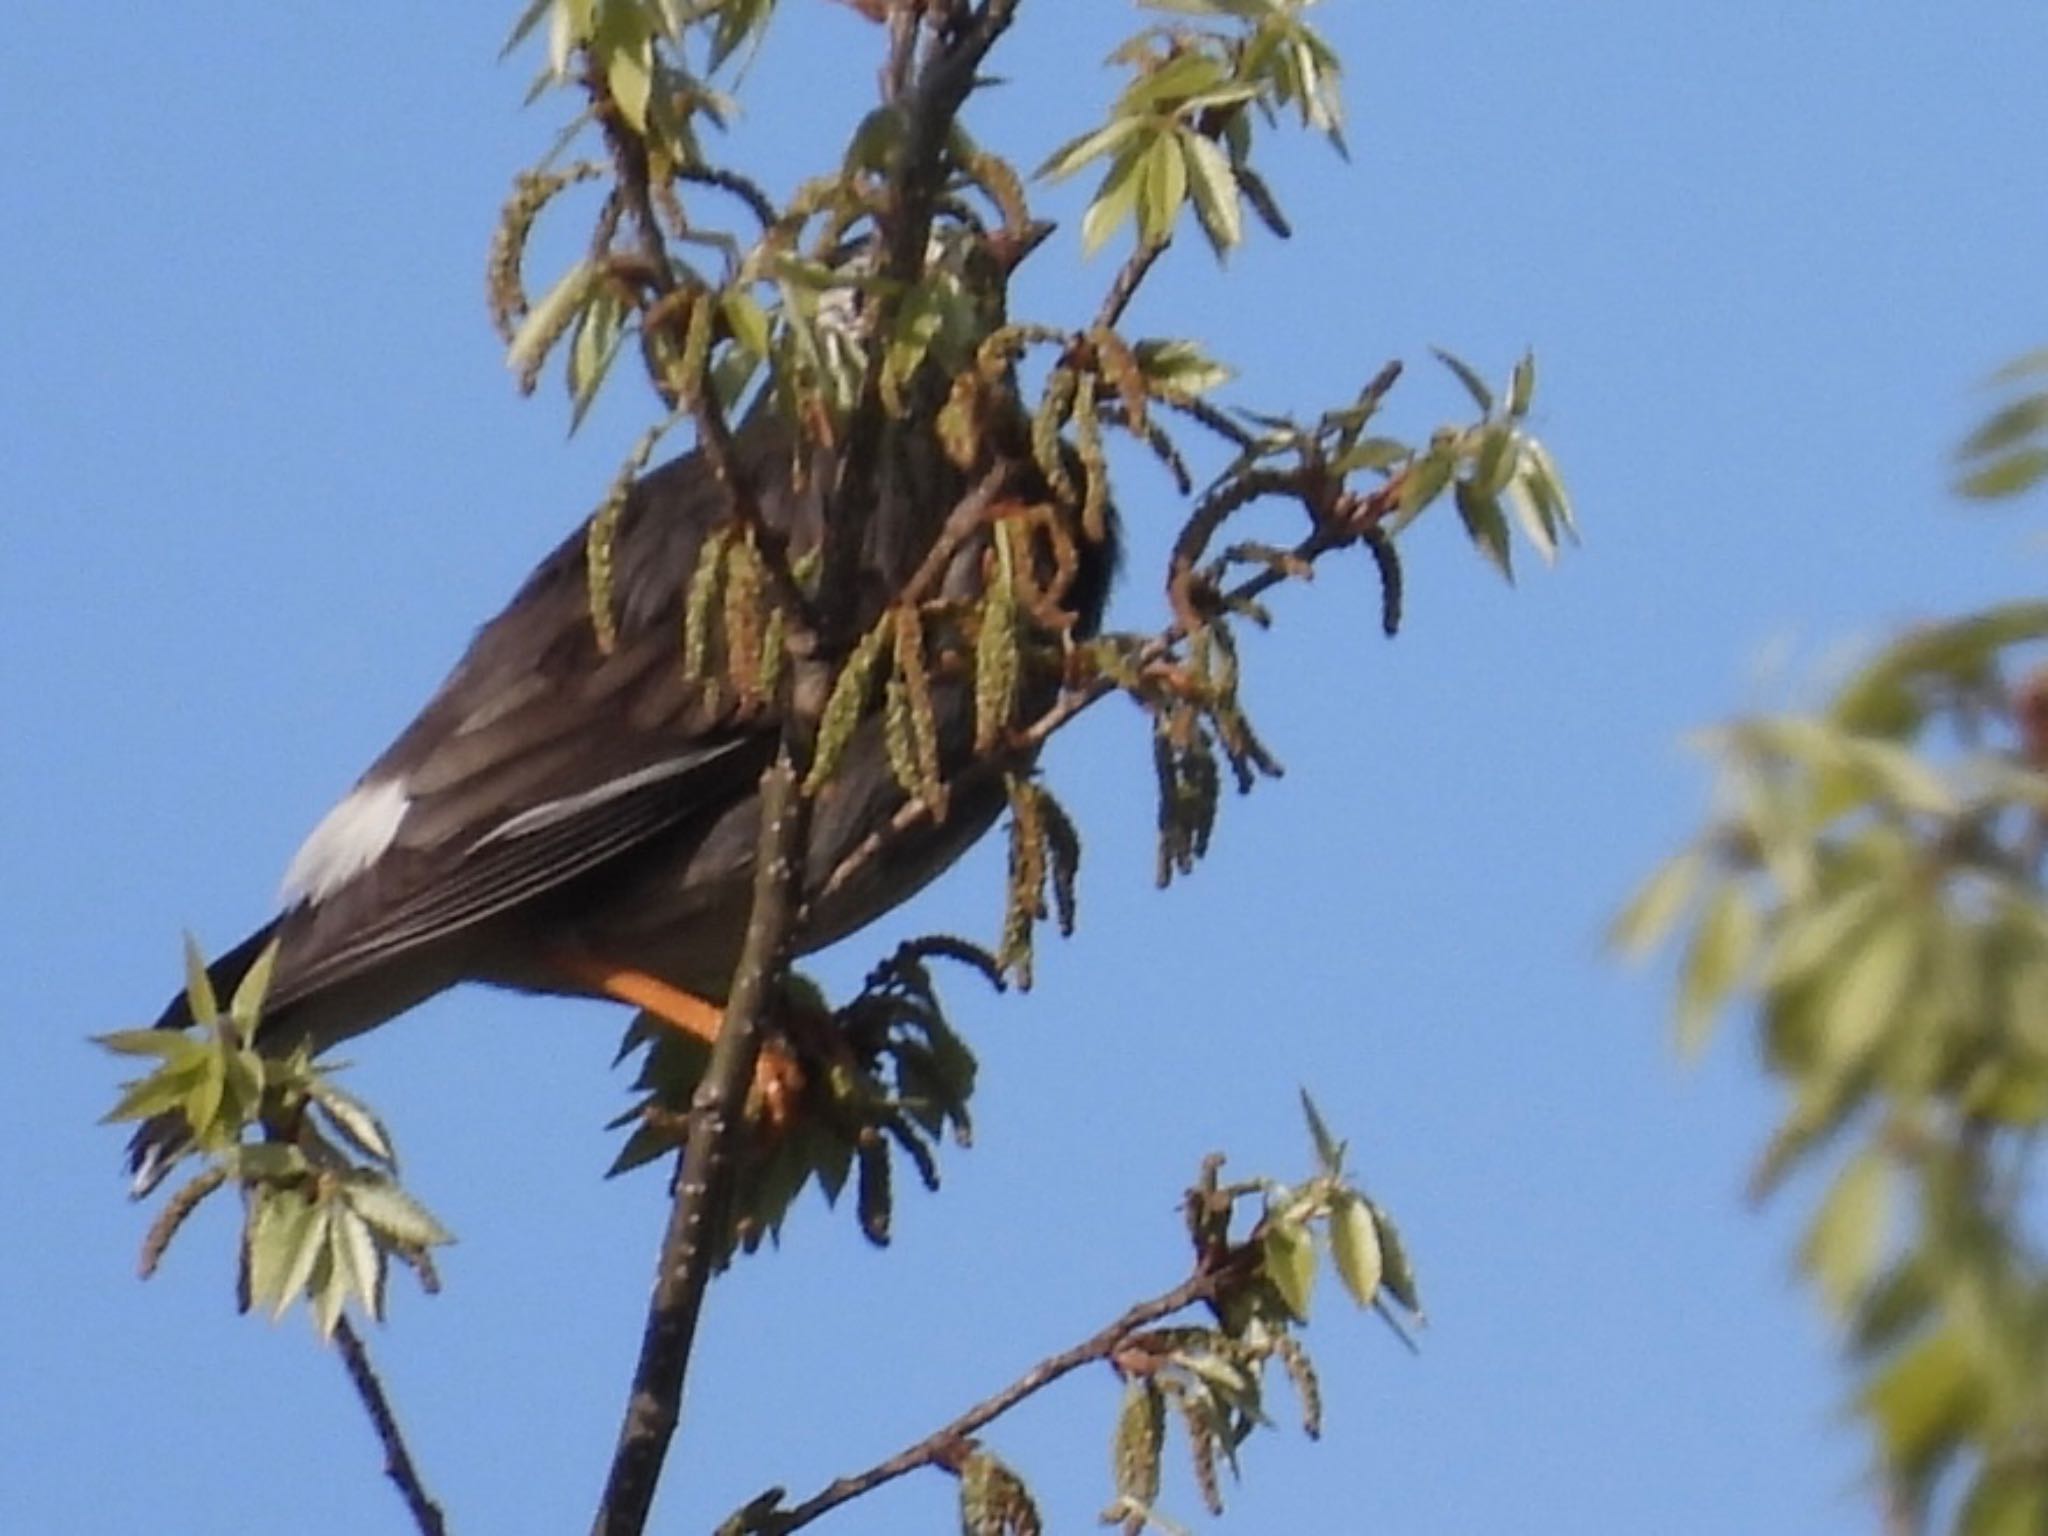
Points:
(570, 818)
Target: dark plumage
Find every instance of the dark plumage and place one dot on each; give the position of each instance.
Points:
(554, 803)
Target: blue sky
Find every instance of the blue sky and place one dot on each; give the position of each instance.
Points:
(265, 471)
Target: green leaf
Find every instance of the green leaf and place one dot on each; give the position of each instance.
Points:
(1722, 947)
(2008, 426)
(1180, 365)
(1812, 935)
(247, 1006)
(1397, 1275)
(1871, 989)
(528, 20)
(1355, 1246)
(2013, 1503)
(1845, 1242)
(748, 320)
(593, 348)
(1923, 1402)
(199, 994)
(1163, 189)
(203, 1100)
(1657, 904)
(1466, 375)
(1290, 1263)
(1522, 386)
(2009, 476)
(278, 1257)
(1215, 188)
(355, 1121)
(1486, 525)
(1329, 1150)
(629, 74)
(165, 1043)
(326, 1286)
(547, 320)
(393, 1213)
(1181, 76)
(164, 1089)
(1538, 526)
(265, 1162)
(1113, 202)
(358, 1260)
(1075, 153)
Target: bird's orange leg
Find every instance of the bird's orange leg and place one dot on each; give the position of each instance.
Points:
(778, 1079)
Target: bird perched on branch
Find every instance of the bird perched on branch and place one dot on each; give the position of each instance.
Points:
(577, 817)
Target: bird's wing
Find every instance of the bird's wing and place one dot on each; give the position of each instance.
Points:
(541, 759)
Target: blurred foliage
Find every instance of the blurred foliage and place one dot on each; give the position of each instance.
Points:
(1872, 881)
(323, 1214)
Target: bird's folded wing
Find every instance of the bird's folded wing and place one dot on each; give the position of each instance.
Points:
(415, 897)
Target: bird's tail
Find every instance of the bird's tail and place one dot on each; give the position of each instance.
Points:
(159, 1140)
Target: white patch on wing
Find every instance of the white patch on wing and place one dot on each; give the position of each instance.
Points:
(550, 813)
(349, 839)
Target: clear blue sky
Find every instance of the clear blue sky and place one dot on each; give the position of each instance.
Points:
(265, 471)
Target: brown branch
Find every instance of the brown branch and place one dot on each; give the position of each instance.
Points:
(942, 1446)
(916, 180)
(398, 1463)
(700, 1213)
(960, 525)
(1128, 279)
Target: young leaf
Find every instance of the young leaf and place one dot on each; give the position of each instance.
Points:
(199, 995)
(392, 1213)
(1290, 1263)
(1355, 1246)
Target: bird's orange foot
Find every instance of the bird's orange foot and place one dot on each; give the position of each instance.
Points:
(778, 1085)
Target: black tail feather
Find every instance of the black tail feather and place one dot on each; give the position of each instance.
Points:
(157, 1142)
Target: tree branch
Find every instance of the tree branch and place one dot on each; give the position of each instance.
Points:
(916, 181)
(1129, 277)
(700, 1212)
(398, 1463)
(1357, 520)
(943, 1444)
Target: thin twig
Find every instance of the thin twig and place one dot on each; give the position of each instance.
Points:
(398, 1463)
(744, 188)
(937, 1448)
(1358, 520)
(714, 433)
(1128, 278)
(699, 1215)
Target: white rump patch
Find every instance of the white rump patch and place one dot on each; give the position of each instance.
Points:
(349, 839)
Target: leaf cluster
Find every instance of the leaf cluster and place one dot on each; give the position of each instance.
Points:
(886, 1080)
(1210, 1379)
(323, 1211)
(1255, 1283)
(1181, 133)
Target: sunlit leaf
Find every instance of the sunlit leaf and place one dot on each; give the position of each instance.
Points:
(1466, 375)
(1722, 947)
(199, 994)
(393, 1213)
(1290, 1263)
(1845, 1241)
(1355, 1248)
